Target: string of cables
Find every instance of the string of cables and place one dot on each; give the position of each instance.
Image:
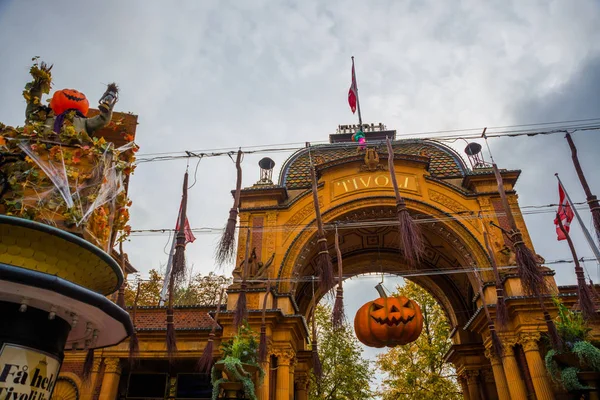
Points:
(544, 128)
(402, 274)
(369, 223)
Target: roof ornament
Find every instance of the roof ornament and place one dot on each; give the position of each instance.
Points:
(372, 161)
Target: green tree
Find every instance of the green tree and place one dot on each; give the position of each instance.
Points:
(149, 290)
(346, 375)
(200, 289)
(418, 371)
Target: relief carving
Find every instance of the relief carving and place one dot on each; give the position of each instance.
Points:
(301, 215)
(372, 161)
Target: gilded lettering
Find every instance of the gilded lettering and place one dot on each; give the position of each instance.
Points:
(387, 180)
(355, 184)
(367, 183)
(344, 185)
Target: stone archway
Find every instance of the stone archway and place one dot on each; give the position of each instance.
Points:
(370, 244)
(354, 191)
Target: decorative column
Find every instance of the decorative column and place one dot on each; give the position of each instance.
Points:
(516, 385)
(472, 377)
(110, 381)
(89, 386)
(537, 369)
(284, 359)
(263, 390)
(302, 382)
(499, 377)
(462, 380)
(293, 363)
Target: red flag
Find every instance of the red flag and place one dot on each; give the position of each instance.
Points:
(353, 92)
(189, 235)
(564, 212)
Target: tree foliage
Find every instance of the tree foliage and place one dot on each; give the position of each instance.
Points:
(417, 370)
(200, 289)
(346, 375)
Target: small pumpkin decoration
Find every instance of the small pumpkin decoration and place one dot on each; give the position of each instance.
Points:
(69, 99)
(388, 321)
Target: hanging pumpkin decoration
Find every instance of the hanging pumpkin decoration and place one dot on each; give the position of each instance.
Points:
(69, 99)
(388, 321)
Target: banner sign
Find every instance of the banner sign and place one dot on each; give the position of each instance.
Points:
(26, 373)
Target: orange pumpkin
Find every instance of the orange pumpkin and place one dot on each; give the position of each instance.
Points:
(388, 321)
(69, 99)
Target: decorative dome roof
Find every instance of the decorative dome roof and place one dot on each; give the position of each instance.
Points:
(444, 161)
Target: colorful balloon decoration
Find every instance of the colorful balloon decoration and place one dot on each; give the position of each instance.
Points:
(388, 321)
(360, 138)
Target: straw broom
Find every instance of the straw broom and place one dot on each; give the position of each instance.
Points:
(411, 242)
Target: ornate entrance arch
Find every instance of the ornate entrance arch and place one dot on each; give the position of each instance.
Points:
(369, 243)
(445, 198)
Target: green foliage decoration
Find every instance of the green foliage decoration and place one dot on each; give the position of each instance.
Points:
(239, 351)
(571, 325)
(574, 331)
(570, 381)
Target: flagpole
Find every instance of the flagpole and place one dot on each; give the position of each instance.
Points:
(357, 100)
(586, 233)
(163, 292)
(591, 199)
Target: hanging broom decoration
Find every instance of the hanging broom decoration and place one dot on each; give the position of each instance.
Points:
(501, 308)
(531, 276)
(338, 316)
(178, 269)
(226, 249)
(324, 266)
(241, 308)
(317, 366)
(121, 293)
(134, 345)
(591, 199)
(496, 342)
(206, 360)
(586, 304)
(532, 279)
(262, 346)
(411, 242)
(88, 364)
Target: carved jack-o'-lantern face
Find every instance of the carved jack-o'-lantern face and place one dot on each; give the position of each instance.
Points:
(388, 321)
(68, 99)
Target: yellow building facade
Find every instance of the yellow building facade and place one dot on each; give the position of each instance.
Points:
(448, 200)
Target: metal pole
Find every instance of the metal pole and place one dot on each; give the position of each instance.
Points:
(163, 292)
(586, 233)
(356, 90)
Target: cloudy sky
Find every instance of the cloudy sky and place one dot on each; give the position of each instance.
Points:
(213, 74)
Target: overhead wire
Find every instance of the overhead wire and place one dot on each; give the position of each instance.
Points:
(371, 223)
(402, 273)
(451, 135)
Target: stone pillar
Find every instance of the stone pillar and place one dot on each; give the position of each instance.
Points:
(472, 377)
(537, 369)
(302, 382)
(284, 359)
(110, 381)
(263, 390)
(293, 363)
(462, 380)
(499, 377)
(516, 385)
(89, 386)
